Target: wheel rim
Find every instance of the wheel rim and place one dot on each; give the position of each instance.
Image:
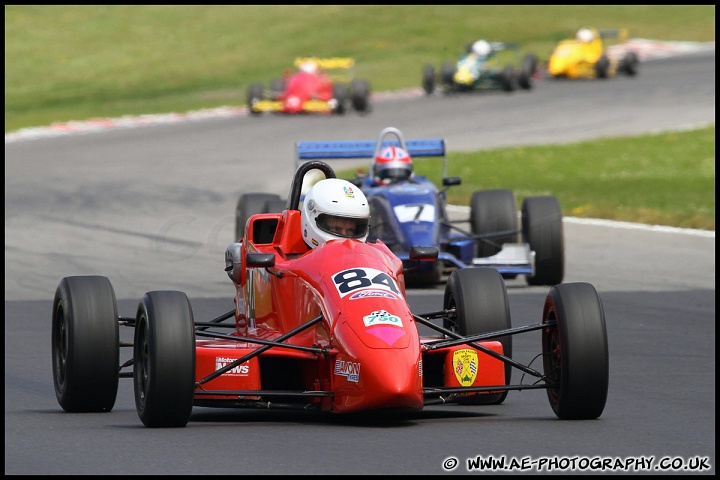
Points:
(60, 349)
(450, 322)
(552, 358)
(141, 362)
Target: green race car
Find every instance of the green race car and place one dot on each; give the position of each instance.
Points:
(483, 66)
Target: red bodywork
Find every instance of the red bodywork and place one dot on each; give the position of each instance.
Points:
(368, 353)
(302, 87)
(319, 85)
(325, 329)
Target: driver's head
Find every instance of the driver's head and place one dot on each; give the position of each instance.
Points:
(481, 48)
(585, 35)
(334, 209)
(308, 67)
(392, 165)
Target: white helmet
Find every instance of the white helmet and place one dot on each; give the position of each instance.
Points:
(481, 48)
(585, 35)
(334, 209)
(309, 67)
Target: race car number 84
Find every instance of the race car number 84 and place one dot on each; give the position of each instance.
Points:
(354, 279)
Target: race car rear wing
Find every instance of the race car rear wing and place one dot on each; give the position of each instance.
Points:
(340, 69)
(617, 33)
(342, 149)
(500, 46)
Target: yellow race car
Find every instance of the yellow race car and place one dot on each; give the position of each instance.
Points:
(586, 56)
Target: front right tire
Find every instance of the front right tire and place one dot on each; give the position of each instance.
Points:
(85, 344)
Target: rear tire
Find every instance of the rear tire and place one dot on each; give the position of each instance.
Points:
(85, 344)
(542, 229)
(340, 94)
(360, 95)
(277, 88)
(507, 78)
(481, 302)
(251, 203)
(493, 211)
(575, 353)
(629, 64)
(164, 359)
(602, 67)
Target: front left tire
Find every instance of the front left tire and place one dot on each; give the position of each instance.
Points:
(164, 359)
(575, 351)
(480, 300)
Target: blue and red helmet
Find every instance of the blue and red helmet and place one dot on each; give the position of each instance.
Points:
(392, 164)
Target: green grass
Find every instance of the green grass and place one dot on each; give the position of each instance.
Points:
(73, 62)
(662, 179)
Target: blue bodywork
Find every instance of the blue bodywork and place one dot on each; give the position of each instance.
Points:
(411, 213)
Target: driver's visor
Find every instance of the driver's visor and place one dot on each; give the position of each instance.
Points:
(346, 227)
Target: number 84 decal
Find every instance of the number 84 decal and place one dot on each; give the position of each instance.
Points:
(354, 279)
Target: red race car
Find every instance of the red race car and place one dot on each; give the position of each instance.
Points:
(320, 85)
(327, 328)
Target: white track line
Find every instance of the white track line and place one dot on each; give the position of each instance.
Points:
(463, 210)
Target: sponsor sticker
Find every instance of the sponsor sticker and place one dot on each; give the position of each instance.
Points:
(382, 317)
(350, 370)
(373, 294)
(465, 366)
(242, 370)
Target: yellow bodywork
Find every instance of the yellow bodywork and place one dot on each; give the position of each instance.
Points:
(577, 59)
(464, 76)
(309, 106)
(339, 69)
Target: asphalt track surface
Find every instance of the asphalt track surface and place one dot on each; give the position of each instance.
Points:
(153, 209)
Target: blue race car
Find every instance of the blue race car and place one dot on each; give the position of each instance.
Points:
(415, 212)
